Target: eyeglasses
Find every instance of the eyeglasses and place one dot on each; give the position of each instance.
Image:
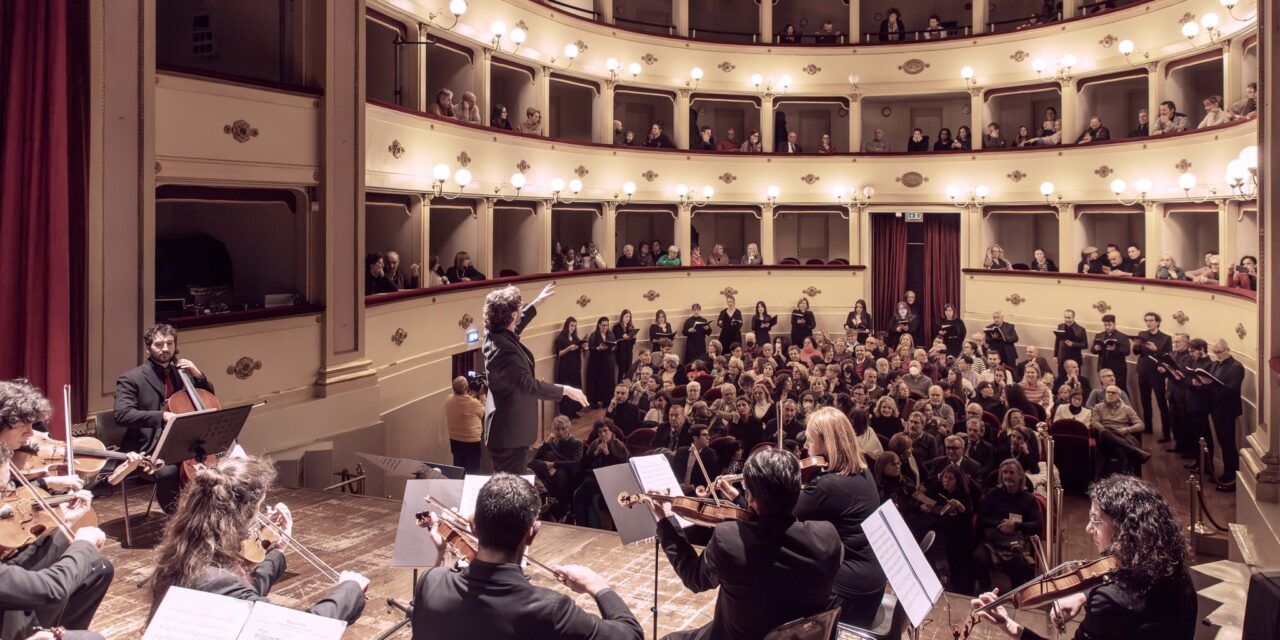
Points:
(1094, 522)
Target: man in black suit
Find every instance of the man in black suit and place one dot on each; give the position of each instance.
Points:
(791, 426)
(1112, 347)
(1003, 338)
(1155, 343)
(1071, 344)
(621, 411)
(685, 464)
(770, 571)
(511, 408)
(1226, 407)
(140, 395)
(953, 452)
(979, 450)
(492, 598)
(668, 434)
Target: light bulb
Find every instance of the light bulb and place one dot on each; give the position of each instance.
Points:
(458, 7)
(1126, 47)
(1229, 4)
(1236, 170)
(463, 178)
(868, 191)
(854, 78)
(1069, 60)
(612, 64)
(839, 192)
(1191, 29)
(441, 172)
(953, 191)
(1210, 21)
(629, 188)
(1038, 65)
(1186, 181)
(1249, 156)
(784, 81)
(1118, 186)
(518, 35)
(682, 190)
(634, 69)
(982, 191)
(557, 185)
(517, 180)
(1143, 186)
(575, 186)
(757, 79)
(571, 51)
(707, 192)
(774, 191)
(966, 73)
(498, 29)
(1046, 189)
(695, 73)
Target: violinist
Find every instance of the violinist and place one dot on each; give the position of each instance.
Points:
(771, 570)
(1150, 595)
(140, 396)
(491, 598)
(202, 544)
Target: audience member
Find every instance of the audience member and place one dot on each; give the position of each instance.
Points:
(992, 139)
(918, 141)
(789, 35)
(705, 141)
(498, 118)
(730, 141)
(1169, 120)
(824, 147)
(469, 110)
(791, 145)
(1168, 269)
(1214, 113)
(464, 418)
(1144, 125)
(752, 256)
(671, 258)
(1245, 274)
(375, 277)
(1023, 137)
(934, 30)
(892, 28)
(827, 34)
(877, 143)
(657, 139)
(1054, 137)
(1007, 518)
(619, 135)
(443, 106)
(964, 138)
(943, 143)
(995, 259)
(1095, 132)
(1041, 262)
(1247, 107)
(752, 145)
(532, 122)
(462, 271)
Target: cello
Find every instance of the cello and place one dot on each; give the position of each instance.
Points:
(190, 399)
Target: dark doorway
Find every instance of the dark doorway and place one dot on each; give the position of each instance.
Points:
(915, 252)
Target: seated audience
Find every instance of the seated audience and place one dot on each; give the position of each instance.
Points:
(943, 143)
(752, 145)
(1094, 133)
(791, 145)
(1245, 274)
(557, 465)
(1051, 122)
(695, 257)
(435, 273)
(918, 141)
(1054, 137)
(1144, 125)
(789, 35)
(1115, 422)
(1169, 120)
(462, 271)
(877, 143)
(1033, 20)
(469, 110)
(532, 122)
(1247, 107)
(892, 28)
(1023, 137)
(657, 139)
(729, 142)
(1041, 262)
(1007, 518)
(498, 119)
(629, 257)
(752, 256)
(671, 258)
(705, 141)
(1214, 113)
(1168, 269)
(443, 106)
(1211, 274)
(992, 139)
(995, 259)
(619, 135)
(826, 34)
(934, 30)
(824, 147)
(964, 138)
(1090, 261)
(375, 276)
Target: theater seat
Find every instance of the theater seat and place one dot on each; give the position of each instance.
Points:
(1021, 266)
(1074, 450)
(789, 261)
(507, 273)
(761, 445)
(679, 392)
(641, 440)
(814, 261)
(841, 261)
(710, 395)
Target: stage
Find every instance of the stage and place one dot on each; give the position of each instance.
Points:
(357, 533)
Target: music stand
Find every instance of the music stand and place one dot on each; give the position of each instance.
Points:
(414, 469)
(413, 547)
(201, 433)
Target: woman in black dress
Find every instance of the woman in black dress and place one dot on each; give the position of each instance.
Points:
(730, 323)
(761, 323)
(858, 322)
(601, 364)
(802, 322)
(695, 333)
(568, 348)
(624, 333)
(951, 329)
(904, 322)
(660, 330)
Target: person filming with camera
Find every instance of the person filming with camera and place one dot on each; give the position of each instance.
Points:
(464, 417)
(511, 409)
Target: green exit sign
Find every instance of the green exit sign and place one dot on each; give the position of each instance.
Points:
(915, 216)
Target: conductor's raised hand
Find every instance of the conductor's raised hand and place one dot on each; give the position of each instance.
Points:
(575, 395)
(547, 292)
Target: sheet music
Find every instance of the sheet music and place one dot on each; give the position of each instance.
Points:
(187, 614)
(909, 573)
(271, 622)
(654, 474)
(471, 490)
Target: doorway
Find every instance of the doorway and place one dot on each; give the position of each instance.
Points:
(915, 252)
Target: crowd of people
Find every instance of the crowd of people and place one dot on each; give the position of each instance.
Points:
(384, 274)
(1129, 262)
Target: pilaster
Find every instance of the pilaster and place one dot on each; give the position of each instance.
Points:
(604, 133)
(766, 232)
(607, 233)
(977, 129)
(484, 84)
(982, 13)
(855, 21)
(680, 13)
(542, 96)
(1070, 111)
(855, 122)
(766, 22)
(484, 231)
(1068, 252)
(684, 235)
(681, 134)
(1153, 230)
(766, 122)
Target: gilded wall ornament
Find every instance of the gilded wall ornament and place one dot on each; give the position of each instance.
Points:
(811, 291)
(726, 66)
(396, 149)
(1187, 17)
(244, 367)
(911, 179)
(809, 179)
(582, 46)
(651, 295)
(913, 66)
(1183, 166)
(1108, 41)
(812, 69)
(523, 166)
(522, 25)
(581, 171)
(1015, 299)
(649, 59)
(1103, 171)
(1101, 306)
(399, 336)
(463, 159)
(583, 301)
(1180, 317)
(1240, 331)
(240, 131)
(729, 292)
(855, 97)
(649, 175)
(1016, 176)
(465, 321)
(728, 178)
(1020, 55)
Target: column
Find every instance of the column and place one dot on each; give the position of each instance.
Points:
(420, 83)
(543, 211)
(1232, 75)
(680, 13)
(855, 21)
(855, 235)
(606, 232)
(977, 128)
(681, 134)
(766, 233)
(766, 122)
(1228, 248)
(684, 238)
(1069, 111)
(343, 364)
(604, 11)
(766, 25)
(855, 122)
(982, 14)
(484, 84)
(542, 97)
(420, 208)
(1070, 9)
(1068, 251)
(484, 231)
(604, 135)
(1155, 89)
(1153, 229)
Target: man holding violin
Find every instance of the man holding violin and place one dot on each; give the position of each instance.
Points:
(140, 402)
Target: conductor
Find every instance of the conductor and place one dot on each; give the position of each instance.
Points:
(511, 408)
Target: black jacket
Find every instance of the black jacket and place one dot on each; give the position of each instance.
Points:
(1008, 347)
(845, 502)
(29, 581)
(345, 601)
(698, 479)
(770, 571)
(1079, 338)
(1226, 399)
(511, 408)
(139, 396)
(496, 601)
(1167, 611)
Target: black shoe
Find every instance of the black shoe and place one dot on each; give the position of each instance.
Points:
(1142, 455)
(1164, 440)
(1227, 488)
(1226, 478)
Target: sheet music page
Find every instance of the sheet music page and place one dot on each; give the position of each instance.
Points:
(187, 614)
(471, 490)
(272, 622)
(913, 580)
(654, 474)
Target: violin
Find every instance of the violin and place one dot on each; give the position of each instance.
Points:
(458, 536)
(48, 457)
(1068, 578)
(811, 467)
(190, 399)
(24, 518)
(701, 511)
(262, 538)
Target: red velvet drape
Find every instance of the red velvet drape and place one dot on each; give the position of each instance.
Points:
(888, 266)
(941, 267)
(41, 185)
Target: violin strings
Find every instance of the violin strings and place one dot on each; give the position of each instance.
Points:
(315, 561)
(457, 521)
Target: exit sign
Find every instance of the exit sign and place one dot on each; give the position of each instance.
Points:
(915, 216)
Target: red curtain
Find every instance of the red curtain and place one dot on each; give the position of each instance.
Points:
(888, 265)
(42, 141)
(941, 267)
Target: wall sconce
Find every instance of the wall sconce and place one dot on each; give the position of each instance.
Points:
(1047, 190)
(972, 196)
(967, 74)
(1065, 63)
(765, 86)
(456, 9)
(1143, 187)
(497, 31)
(517, 183)
(557, 187)
(695, 76)
(771, 194)
(1187, 182)
(854, 79)
(854, 198)
(1242, 174)
(1230, 6)
(441, 175)
(570, 53)
(682, 193)
(628, 190)
(1127, 48)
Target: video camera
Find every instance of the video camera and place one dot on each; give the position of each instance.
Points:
(477, 383)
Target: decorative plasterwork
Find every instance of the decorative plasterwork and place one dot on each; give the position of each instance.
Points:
(649, 175)
(1103, 171)
(240, 131)
(396, 149)
(729, 292)
(399, 336)
(583, 301)
(523, 25)
(244, 367)
(651, 295)
(1183, 165)
(1180, 317)
(1020, 55)
(728, 178)
(812, 69)
(1187, 17)
(911, 179)
(523, 166)
(581, 171)
(1015, 299)
(582, 46)
(1016, 176)
(913, 66)
(1101, 306)
(463, 159)
(811, 291)
(649, 59)
(1109, 41)
(465, 321)
(726, 66)
(809, 179)
(1240, 331)
(855, 97)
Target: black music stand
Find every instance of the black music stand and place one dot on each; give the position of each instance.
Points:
(413, 547)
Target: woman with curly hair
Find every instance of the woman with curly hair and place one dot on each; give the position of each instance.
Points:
(1151, 594)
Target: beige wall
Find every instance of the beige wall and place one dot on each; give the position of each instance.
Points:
(905, 112)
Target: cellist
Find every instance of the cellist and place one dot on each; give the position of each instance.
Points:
(55, 581)
(1150, 595)
(140, 396)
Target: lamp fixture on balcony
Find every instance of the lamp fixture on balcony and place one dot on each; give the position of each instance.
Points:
(1051, 196)
(695, 76)
(498, 31)
(440, 176)
(456, 9)
(1127, 47)
(970, 197)
(687, 198)
(1065, 63)
(771, 194)
(557, 187)
(571, 52)
(854, 79)
(1230, 6)
(854, 198)
(628, 190)
(767, 87)
(517, 182)
(967, 74)
(1242, 174)
(1142, 186)
(1187, 182)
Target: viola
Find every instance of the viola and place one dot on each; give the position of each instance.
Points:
(47, 456)
(24, 519)
(262, 538)
(701, 511)
(1066, 579)
(190, 399)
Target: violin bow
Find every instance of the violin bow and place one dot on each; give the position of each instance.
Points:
(66, 415)
(712, 488)
(313, 559)
(44, 504)
(463, 526)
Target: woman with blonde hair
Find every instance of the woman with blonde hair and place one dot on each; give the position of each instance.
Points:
(1168, 269)
(995, 258)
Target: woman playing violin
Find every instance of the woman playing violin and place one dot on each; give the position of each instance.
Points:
(202, 543)
(1151, 595)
